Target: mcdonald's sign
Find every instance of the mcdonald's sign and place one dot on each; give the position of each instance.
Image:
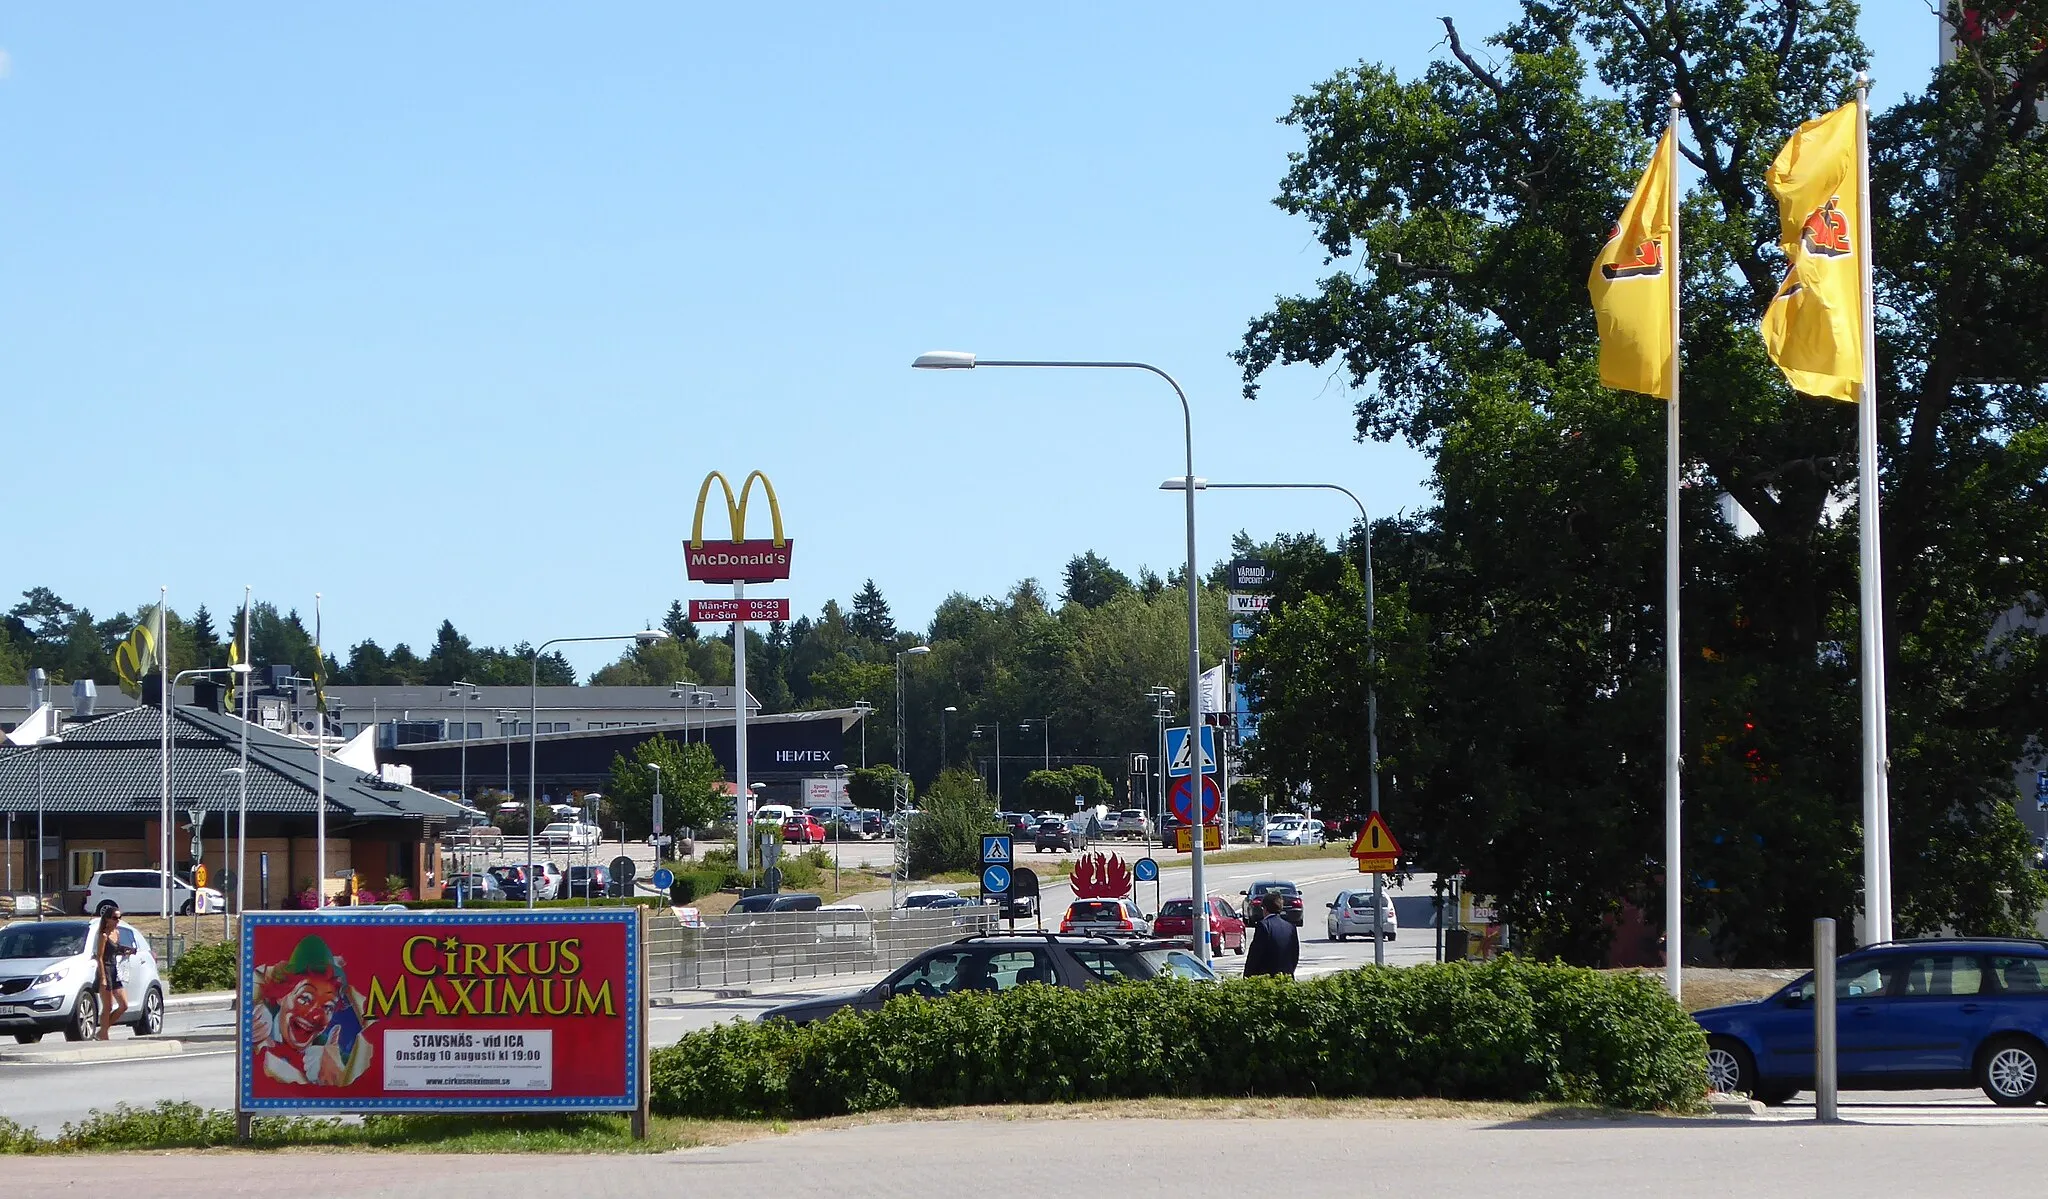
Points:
(737, 560)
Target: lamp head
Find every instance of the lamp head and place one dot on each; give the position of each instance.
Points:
(650, 636)
(241, 668)
(916, 650)
(944, 360)
(1179, 483)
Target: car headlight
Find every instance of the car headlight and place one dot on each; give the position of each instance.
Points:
(50, 976)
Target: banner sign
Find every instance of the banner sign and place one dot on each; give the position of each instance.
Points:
(725, 611)
(738, 560)
(1250, 574)
(1247, 604)
(373, 1011)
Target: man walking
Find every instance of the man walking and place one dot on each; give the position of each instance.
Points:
(1275, 947)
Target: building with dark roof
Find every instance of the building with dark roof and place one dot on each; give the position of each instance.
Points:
(99, 793)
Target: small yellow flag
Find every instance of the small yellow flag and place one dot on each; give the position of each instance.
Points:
(1814, 326)
(136, 655)
(1632, 286)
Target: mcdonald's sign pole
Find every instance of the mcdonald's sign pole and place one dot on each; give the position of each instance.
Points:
(739, 562)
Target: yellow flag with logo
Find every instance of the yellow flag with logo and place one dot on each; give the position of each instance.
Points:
(1814, 326)
(1632, 285)
(136, 655)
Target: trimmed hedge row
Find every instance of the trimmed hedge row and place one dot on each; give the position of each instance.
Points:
(1506, 1030)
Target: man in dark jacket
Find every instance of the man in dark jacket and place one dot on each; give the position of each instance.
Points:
(1276, 949)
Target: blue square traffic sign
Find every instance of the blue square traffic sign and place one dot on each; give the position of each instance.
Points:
(995, 851)
(1178, 764)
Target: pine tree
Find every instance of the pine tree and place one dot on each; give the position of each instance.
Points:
(204, 640)
(871, 620)
(678, 623)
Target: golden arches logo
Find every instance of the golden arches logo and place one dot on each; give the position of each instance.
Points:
(738, 560)
(135, 657)
(736, 510)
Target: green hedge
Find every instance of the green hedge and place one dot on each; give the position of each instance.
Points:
(1507, 1030)
(601, 901)
(207, 968)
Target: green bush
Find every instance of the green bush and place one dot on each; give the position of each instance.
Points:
(207, 968)
(600, 901)
(695, 884)
(1506, 1030)
(946, 833)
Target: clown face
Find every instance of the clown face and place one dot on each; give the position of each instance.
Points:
(306, 1011)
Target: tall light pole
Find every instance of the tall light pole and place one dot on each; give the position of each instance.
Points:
(944, 712)
(43, 744)
(1045, 725)
(1372, 655)
(1162, 711)
(915, 651)
(468, 691)
(242, 772)
(865, 709)
(508, 716)
(239, 669)
(654, 810)
(961, 360)
(997, 729)
(643, 637)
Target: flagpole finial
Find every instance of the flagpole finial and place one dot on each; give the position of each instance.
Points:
(1674, 100)
(1863, 80)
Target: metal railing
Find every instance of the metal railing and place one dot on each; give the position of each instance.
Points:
(757, 947)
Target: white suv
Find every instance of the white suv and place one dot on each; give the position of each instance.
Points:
(48, 981)
(572, 833)
(137, 892)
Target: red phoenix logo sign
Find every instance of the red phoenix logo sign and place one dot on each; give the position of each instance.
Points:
(1100, 876)
(738, 560)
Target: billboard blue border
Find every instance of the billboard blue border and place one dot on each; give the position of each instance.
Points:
(635, 1008)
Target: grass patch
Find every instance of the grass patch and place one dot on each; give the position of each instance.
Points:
(1340, 850)
(176, 1125)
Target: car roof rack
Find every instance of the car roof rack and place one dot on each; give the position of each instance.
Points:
(1996, 940)
(1040, 934)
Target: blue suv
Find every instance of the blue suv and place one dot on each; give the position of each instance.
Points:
(1946, 1012)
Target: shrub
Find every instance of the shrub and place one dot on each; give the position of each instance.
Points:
(207, 968)
(946, 833)
(1505, 1030)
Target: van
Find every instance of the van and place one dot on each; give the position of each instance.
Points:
(139, 893)
(774, 813)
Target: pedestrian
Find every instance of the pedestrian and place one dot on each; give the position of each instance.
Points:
(1276, 949)
(108, 952)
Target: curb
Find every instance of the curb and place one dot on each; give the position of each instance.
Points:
(201, 1002)
(110, 1051)
(1724, 1104)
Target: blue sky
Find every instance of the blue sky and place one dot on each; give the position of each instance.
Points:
(445, 310)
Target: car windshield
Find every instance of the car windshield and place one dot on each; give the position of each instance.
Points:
(49, 940)
(1259, 889)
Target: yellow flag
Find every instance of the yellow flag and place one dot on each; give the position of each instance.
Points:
(136, 655)
(1814, 326)
(1631, 285)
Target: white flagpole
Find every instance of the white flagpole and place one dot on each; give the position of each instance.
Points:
(163, 832)
(1674, 874)
(320, 771)
(1877, 839)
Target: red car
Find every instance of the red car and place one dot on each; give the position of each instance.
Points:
(1226, 927)
(803, 830)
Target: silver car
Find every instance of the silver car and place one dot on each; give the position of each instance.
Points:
(49, 982)
(1351, 915)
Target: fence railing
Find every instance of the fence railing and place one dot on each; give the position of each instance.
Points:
(747, 948)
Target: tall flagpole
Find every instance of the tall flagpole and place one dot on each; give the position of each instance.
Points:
(163, 831)
(1674, 875)
(242, 807)
(319, 768)
(1877, 837)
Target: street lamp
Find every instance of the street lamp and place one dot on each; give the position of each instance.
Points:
(1372, 651)
(468, 691)
(508, 717)
(1162, 711)
(643, 637)
(997, 728)
(654, 808)
(864, 709)
(962, 360)
(1045, 724)
(915, 651)
(41, 743)
(943, 713)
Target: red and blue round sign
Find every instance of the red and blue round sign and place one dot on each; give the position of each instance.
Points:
(1178, 798)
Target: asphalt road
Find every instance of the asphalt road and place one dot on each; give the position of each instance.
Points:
(1154, 1159)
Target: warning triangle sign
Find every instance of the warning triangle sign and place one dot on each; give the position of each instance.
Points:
(1376, 849)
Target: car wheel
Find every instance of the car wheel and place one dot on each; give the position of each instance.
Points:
(28, 1038)
(1216, 946)
(106, 905)
(2010, 1071)
(1335, 935)
(151, 1021)
(186, 910)
(1390, 936)
(1731, 1070)
(84, 1024)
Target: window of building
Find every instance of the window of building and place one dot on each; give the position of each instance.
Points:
(84, 864)
(350, 730)
(476, 729)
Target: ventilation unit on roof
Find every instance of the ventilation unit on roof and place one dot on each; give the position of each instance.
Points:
(83, 694)
(38, 688)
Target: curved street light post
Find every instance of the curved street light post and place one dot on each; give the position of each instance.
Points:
(643, 637)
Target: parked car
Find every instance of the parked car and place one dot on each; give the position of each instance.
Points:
(547, 880)
(1053, 836)
(572, 834)
(1002, 961)
(1351, 915)
(511, 880)
(466, 887)
(926, 898)
(1912, 1015)
(49, 981)
(802, 830)
(1290, 901)
(139, 893)
(474, 836)
(773, 814)
(588, 882)
(1294, 830)
(1021, 825)
(1129, 823)
(792, 901)
(1105, 916)
(1226, 928)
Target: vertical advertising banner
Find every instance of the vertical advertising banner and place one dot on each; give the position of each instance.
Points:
(441, 1011)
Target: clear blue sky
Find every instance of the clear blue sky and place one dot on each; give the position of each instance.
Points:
(444, 310)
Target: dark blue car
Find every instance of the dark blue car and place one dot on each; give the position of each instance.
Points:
(1910, 1015)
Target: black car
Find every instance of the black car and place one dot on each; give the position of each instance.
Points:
(512, 879)
(588, 882)
(1000, 961)
(1053, 836)
(793, 901)
(1290, 900)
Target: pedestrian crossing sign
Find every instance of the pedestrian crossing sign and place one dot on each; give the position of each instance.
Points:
(995, 851)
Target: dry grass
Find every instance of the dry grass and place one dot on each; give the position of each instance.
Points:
(1278, 1108)
(1712, 986)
